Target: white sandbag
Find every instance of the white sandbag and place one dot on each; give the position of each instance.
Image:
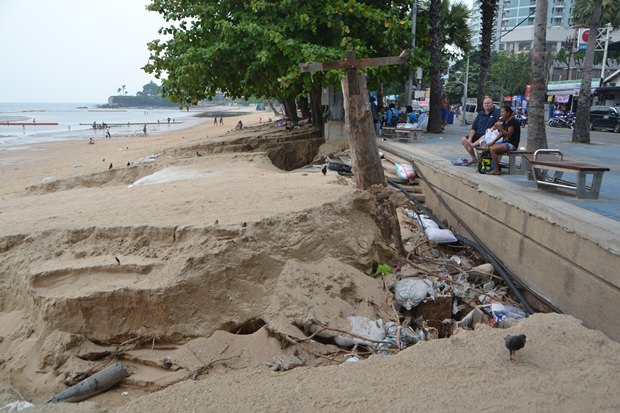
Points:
(362, 327)
(405, 171)
(410, 292)
(440, 236)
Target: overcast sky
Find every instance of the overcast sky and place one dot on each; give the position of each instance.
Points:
(73, 50)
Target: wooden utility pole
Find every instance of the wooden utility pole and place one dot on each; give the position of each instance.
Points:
(358, 119)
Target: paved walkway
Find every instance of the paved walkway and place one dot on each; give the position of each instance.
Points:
(604, 150)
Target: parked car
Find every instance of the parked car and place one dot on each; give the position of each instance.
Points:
(605, 117)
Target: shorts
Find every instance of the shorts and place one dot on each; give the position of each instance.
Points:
(444, 113)
(509, 147)
(476, 138)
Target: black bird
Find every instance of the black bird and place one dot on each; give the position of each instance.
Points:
(117, 260)
(324, 169)
(217, 221)
(514, 343)
(110, 167)
(198, 153)
(128, 163)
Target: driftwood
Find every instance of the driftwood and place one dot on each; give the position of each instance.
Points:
(95, 384)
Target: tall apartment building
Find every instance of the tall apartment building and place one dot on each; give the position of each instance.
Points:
(512, 12)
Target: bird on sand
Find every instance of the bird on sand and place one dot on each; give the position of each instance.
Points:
(514, 343)
(198, 153)
(110, 167)
(324, 169)
(128, 163)
(117, 260)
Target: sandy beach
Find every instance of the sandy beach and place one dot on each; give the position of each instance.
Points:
(198, 260)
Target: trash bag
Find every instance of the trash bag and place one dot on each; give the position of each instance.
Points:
(503, 316)
(362, 327)
(392, 339)
(410, 292)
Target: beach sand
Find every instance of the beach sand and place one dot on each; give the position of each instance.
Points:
(203, 260)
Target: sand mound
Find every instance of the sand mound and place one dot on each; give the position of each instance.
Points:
(219, 266)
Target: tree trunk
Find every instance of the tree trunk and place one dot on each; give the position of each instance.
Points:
(273, 108)
(581, 132)
(290, 109)
(434, 119)
(317, 109)
(380, 95)
(360, 130)
(537, 137)
(488, 9)
(304, 107)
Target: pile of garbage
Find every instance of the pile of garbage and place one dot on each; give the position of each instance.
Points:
(434, 293)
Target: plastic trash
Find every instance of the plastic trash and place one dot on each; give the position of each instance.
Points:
(410, 292)
(503, 316)
(17, 406)
(395, 336)
(405, 171)
(362, 327)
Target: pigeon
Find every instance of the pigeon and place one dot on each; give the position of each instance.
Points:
(110, 167)
(198, 153)
(324, 169)
(514, 343)
(117, 260)
(128, 163)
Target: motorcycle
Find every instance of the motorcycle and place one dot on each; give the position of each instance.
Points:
(564, 121)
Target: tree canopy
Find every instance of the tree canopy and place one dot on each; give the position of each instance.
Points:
(610, 12)
(254, 47)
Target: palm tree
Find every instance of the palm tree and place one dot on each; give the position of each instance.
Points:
(448, 23)
(581, 132)
(610, 12)
(488, 11)
(436, 44)
(537, 138)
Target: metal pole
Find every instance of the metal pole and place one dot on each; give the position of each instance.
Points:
(409, 85)
(465, 93)
(605, 54)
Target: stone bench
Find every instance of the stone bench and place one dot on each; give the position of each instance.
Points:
(547, 168)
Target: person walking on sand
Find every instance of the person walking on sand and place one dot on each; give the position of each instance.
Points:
(221, 121)
(144, 129)
(215, 121)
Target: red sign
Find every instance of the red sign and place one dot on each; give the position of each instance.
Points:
(585, 35)
(527, 92)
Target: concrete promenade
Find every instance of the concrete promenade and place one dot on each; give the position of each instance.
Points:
(564, 249)
(604, 150)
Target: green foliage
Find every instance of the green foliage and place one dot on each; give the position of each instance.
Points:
(150, 89)
(610, 12)
(254, 47)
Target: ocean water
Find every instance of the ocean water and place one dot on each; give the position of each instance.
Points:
(75, 122)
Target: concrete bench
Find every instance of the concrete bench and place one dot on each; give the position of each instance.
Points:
(547, 167)
(388, 131)
(407, 133)
(512, 166)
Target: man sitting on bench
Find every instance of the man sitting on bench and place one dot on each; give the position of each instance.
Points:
(509, 136)
(485, 120)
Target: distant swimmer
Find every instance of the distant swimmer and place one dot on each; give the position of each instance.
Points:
(107, 133)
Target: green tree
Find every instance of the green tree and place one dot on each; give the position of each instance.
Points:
(510, 72)
(488, 11)
(581, 131)
(150, 89)
(537, 137)
(610, 12)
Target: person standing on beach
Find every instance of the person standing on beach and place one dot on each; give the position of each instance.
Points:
(221, 121)
(144, 129)
(215, 121)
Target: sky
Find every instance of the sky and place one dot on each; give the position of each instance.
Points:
(74, 50)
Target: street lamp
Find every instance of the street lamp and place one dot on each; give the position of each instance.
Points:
(464, 98)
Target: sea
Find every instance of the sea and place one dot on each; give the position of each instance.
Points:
(75, 122)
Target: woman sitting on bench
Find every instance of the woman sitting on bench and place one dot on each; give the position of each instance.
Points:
(510, 135)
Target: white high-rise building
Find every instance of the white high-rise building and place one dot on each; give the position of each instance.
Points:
(512, 12)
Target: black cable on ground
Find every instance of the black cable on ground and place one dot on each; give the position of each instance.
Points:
(478, 245)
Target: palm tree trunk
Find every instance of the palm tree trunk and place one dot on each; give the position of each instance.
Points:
(537, 137)
(581, 132)
(434, 119)
(488, 10)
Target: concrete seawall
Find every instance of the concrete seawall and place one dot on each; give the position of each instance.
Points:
(564, 253)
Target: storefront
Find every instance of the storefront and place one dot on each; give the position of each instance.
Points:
(563, 94)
